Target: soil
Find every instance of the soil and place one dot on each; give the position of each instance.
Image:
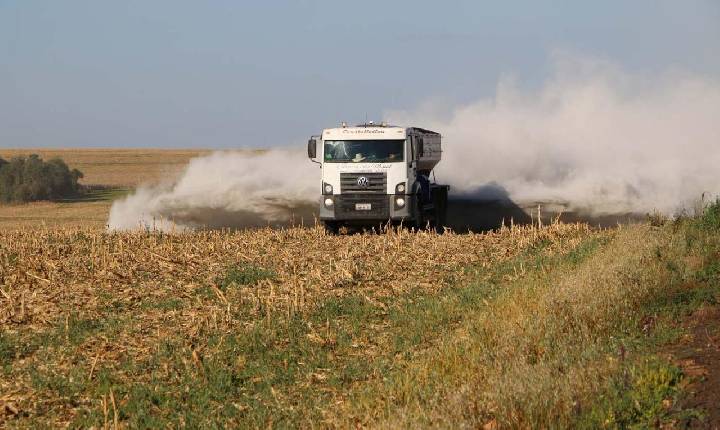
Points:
(698, 355)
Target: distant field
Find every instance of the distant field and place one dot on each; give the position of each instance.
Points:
(121, 168)
(116, 170)
(91, 210)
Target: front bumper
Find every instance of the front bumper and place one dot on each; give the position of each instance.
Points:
(383, 207)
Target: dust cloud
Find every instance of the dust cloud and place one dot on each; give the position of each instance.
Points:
(592, 138)
(227, 189)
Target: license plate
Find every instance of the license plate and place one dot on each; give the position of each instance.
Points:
(363, 206)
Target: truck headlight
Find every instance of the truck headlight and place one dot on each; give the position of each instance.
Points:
(327, 189)
(400, 188)
(329, 202)
(400, 202)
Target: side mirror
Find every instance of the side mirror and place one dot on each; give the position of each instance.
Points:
(420, 147)
(312, 148)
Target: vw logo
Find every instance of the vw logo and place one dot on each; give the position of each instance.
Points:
(363, 182)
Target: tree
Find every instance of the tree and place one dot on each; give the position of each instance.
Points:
(30, 179)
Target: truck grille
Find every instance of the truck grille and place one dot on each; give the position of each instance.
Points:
(345, 206)
(377, 183)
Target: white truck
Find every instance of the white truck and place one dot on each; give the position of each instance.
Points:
(374, 174)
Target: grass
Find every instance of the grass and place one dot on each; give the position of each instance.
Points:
(7, 349)
(641, 395)
(243, 275)
(526, 327)
(98, 194)
(638, 398)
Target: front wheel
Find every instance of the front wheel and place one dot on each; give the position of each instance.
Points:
(332, 227)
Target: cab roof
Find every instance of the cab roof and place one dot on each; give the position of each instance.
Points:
(369, 132)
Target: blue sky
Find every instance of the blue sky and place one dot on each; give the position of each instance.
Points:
(225, 74)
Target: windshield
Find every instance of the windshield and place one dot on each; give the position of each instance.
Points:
(364, 151)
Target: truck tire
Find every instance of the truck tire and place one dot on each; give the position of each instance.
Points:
(440, 198)
(332, 228)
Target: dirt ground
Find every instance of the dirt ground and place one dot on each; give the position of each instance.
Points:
(698, 355)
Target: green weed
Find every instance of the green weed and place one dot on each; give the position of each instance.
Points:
(7, 349)
(640, 396)
(244, 274)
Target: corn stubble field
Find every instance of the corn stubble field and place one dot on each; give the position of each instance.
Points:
(561, 325)
(523, 327)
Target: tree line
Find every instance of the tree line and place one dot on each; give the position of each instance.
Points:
(27, 179)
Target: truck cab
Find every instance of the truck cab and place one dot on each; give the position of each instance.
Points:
(372, 175)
